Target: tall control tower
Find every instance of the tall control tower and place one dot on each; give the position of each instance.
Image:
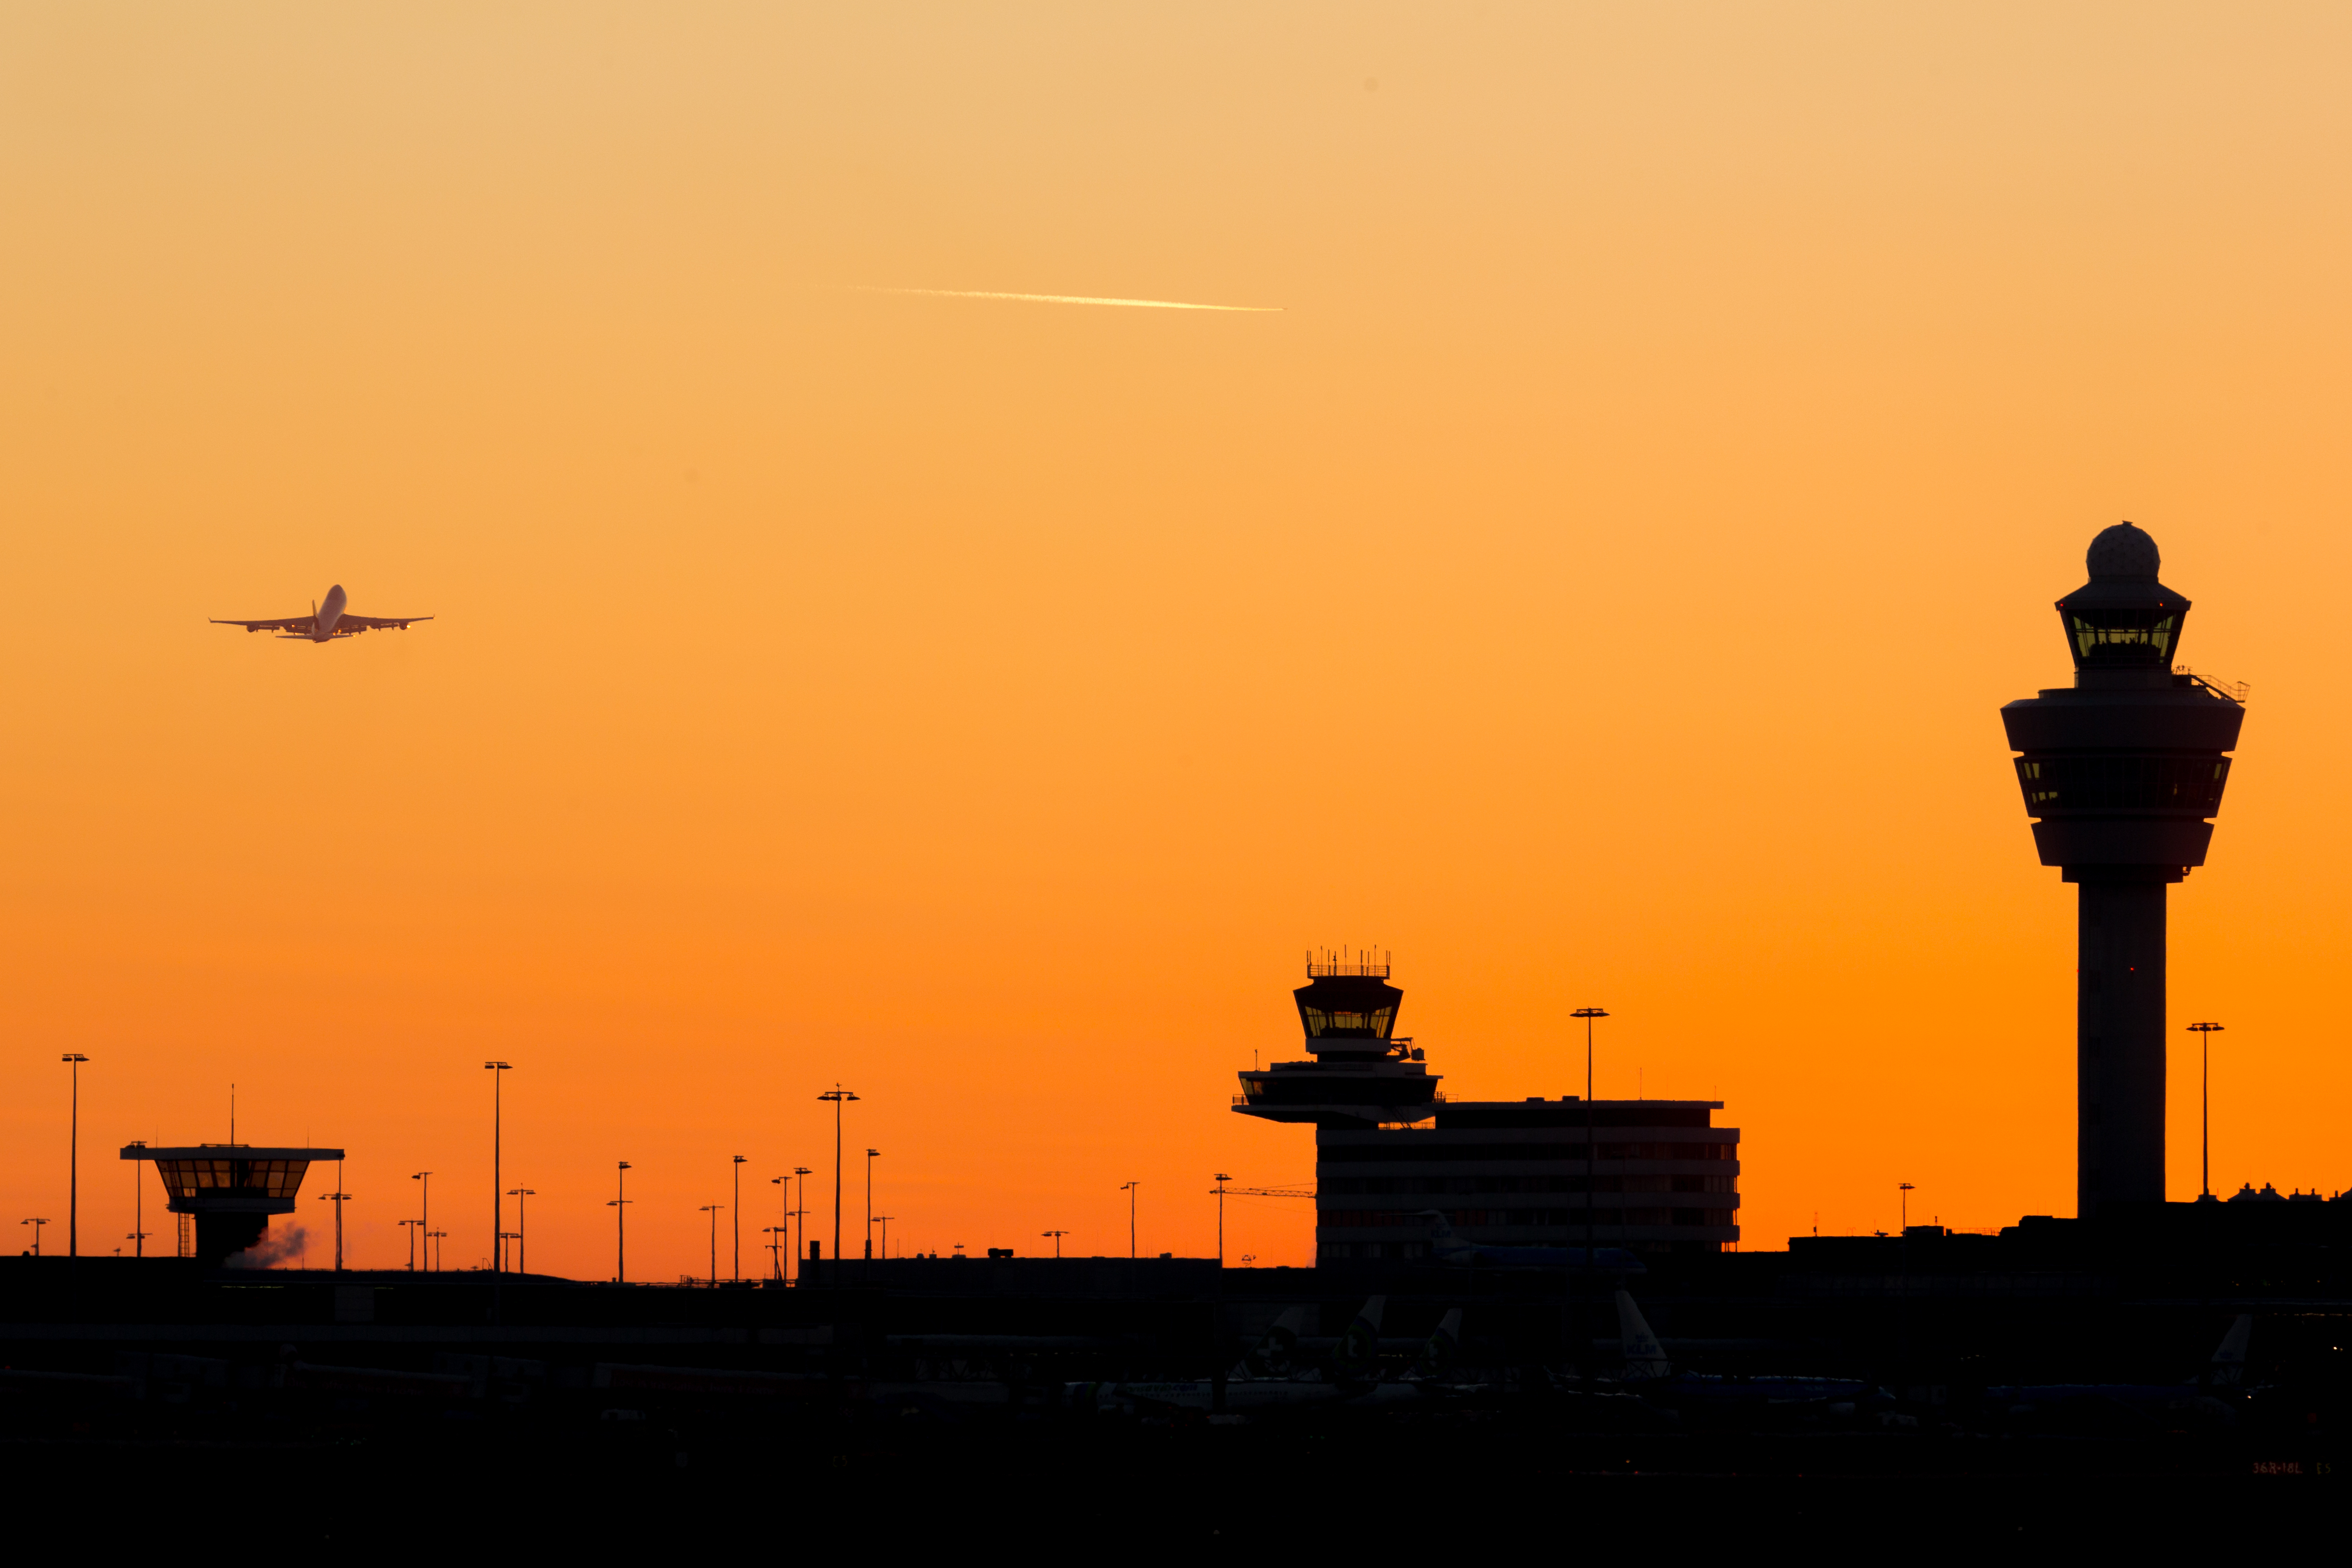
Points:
(2123, 773)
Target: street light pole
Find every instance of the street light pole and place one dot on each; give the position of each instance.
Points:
(1220, 1179)
(1129, 1190)
(138, 1204)
(739, 1219)
(497, 1071)
(712, 1210)
(840, 1096)
(621, 1226)
(73, 1161)
(338, 1196)
(870, 1155)
(523, 1254)
(1058, 1235)
(426, 1177)
(1589, 1014)
(2205, 1033)
(799, 1217)
(37, 1225)
(1905, 1189)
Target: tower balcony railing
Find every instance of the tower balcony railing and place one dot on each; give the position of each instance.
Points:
(2235, 691)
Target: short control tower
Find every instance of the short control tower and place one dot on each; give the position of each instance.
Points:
(226, 1193)
(1364, 1073)
(2123, 773)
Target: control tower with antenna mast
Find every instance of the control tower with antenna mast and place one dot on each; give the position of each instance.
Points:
(2122, 774)
(223, 1194)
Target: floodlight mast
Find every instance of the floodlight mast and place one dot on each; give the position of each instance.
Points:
(619, 1205)
(2205, 1033)
(73, 1060)
(839, 1097)
(739, 1216)
(497, 1071)
(338, 1198)
(2123, 773)
(799, 1217)
(1589, 1014)
(522, 1227)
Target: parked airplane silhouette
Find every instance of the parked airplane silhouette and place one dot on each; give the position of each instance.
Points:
(1269, 1378)
(1447, 1247)
(1647, 1371)
(2202, 1400)
(327, 621)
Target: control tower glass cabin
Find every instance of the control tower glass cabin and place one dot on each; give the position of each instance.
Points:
(228, 1191)
(1363, 1073)
(2123, 773)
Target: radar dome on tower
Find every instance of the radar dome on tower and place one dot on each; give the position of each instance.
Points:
(2124, 551)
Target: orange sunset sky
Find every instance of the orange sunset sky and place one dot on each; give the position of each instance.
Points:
(1597, 585)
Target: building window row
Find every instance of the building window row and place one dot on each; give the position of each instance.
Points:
(1420, 1146)
(1374, 1024)
(1372, 1186)
(270, 1178)
(2127, 782)
(1378, 1219)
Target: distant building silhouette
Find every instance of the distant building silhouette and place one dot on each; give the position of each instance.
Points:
(2122, 772)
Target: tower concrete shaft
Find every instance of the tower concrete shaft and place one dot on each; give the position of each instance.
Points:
(2119, 1028)
(2122, 772)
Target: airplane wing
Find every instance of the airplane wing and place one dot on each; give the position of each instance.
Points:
(290, 623)
(379, 623)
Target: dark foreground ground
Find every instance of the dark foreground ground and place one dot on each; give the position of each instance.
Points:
(1466, 1486)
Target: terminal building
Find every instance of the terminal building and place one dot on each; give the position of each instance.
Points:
(1649, 1176)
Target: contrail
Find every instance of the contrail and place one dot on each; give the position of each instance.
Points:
(1069, 299)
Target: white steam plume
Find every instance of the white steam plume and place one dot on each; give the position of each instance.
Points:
(272, 1249)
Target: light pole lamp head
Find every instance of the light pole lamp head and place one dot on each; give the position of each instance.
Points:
(872, 1153)
(2123, 618)
(740, 1158)
(799, 1171)
(498, 1067)
(2204, 1028)
(73, 1056)
(1590, 1013)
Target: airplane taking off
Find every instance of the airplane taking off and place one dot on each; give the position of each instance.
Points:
(327, 621)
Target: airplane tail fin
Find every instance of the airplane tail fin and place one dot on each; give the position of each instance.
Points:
(1360, 1347)
(1443, 1347)
(2229, 1369)
(1644, 1357)
(1274, 1352)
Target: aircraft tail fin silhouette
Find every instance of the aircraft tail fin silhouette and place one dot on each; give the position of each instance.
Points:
(2229, 1366)
(1644, 1356)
